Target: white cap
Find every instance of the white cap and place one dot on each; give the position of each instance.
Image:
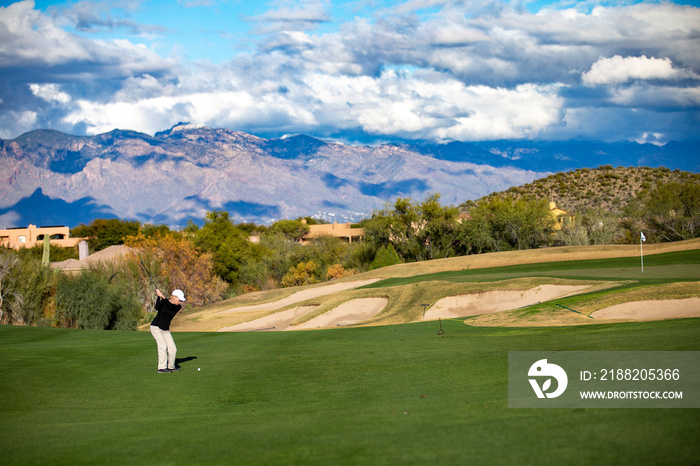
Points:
(179, 295)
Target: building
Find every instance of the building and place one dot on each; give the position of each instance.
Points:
(27, 237)
(344, 231)
(561, 216)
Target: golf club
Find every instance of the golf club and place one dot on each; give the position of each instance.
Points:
(149, 275)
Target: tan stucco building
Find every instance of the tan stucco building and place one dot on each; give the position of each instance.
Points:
(561, 216)
(343, 231)
(27, 237)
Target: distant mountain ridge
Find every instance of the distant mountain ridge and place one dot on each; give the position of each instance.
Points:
(181, 173)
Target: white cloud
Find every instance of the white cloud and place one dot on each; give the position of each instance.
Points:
(12, 123)
(290, 15)
(644, 96)
(217, 109)
(658, 139)
(304, 11)
(426, 107)
(50, 93)
(30, 37)
(617, 70)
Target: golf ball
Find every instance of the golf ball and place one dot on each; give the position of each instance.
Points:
(199, 368)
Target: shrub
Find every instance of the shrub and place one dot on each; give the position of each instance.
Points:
(386, 256)
(26, 289)
(336, 271)
(89, 301)
(301, 274)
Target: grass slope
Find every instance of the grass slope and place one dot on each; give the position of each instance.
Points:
(378, 395)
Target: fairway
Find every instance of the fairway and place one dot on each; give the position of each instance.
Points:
(396, 394)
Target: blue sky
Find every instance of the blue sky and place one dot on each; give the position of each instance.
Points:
(357, 70)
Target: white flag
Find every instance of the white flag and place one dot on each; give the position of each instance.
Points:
(644, 238)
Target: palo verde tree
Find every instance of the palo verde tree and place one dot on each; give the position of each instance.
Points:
(668, 212)
(103, 233)
(294, 230)
(416, 230)
(229, 246)
(503, 224)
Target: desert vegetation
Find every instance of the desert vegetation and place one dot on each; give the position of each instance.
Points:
(217, 259)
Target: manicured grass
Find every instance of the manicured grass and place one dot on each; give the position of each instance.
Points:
(666, 267)
(378, 395)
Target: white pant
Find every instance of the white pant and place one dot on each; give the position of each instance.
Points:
(166, 348)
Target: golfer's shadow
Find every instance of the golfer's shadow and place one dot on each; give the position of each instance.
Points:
(179, 361)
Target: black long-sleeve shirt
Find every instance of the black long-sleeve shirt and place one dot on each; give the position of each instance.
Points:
(166, 312)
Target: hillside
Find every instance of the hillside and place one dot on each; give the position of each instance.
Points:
(605, 187)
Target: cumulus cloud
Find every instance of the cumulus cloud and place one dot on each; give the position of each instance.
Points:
(617, 69)
(50, 93)
(473, 71)
(30, 38)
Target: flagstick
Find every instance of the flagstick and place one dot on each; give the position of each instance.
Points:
(641, 251)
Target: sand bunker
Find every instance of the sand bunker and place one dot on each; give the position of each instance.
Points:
(274, 322)
(651, 310)
(300, 296)
(488, 302)
(348, 313)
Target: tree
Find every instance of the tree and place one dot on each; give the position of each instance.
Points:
(103, 233)
(229, 245)
(57, 253)
(174, 262)
(439, 229)
(573, 234)
(150, 231)
(324, 251)
(671, 211)
(294, 230)
(275, 256)
(502, 224)
(602, 227)
(337, 271)
(417, 231)
(386, 256)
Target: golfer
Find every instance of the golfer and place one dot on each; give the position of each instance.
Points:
(160, 329)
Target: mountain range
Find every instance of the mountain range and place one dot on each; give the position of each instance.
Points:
(48, 177)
